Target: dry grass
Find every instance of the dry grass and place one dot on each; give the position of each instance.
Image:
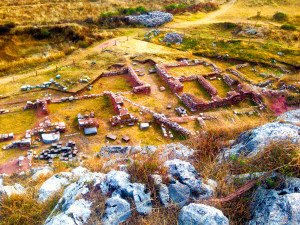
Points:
(24, 209)
(284, 157)
(50, 11)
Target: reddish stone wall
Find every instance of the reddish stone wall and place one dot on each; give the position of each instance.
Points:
(207, 85)
(123, 116)
(232, 98)
(174, 84)
(163, 120)
(117, 101)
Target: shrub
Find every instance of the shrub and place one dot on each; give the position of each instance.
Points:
(10, 24)
(280, 16)
(170, 7)
(228, 25)
(84, 44)
(5, 28)
(141, 9)
(131, 11)
(288, 27)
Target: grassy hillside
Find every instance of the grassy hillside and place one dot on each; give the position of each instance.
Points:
(53, 11)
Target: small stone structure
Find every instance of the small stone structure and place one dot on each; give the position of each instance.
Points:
(139, 86)
(87, 121)
(6, 137)
(123, 117)
(41, 105)
(25, 143)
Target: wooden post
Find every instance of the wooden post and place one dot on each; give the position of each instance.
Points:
(36, 73)
(115, 42)
(13, 79)
(73, 62)
(127, 38)
(56, 68)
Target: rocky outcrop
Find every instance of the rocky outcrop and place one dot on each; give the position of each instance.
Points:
(251, 143)
(292, 117)
(277, 206)
(71, 209)
(186, 183)
(117, 211)
(10, 190)
(199, 214)
(53, 185)
(41, 171)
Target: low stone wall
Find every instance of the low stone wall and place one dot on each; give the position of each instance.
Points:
(117, 101)
(230, 81)
(174, 84)
(232, 98)
(140, 87)
(188, 78)
(123, 116)
(207, 85)
(163, 120)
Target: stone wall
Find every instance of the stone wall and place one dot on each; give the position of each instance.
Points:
(230, 81)
(233, 98)
(123, 117)
(207, 85)
(174, 84)
(163, 120)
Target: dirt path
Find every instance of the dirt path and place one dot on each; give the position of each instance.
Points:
(207, 19)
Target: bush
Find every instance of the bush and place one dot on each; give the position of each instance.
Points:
(84, 44)
(141, 9)
(5, 28)
(130, 11)
(288, 27)
(170, 7)
(280, 16)
(228, 25)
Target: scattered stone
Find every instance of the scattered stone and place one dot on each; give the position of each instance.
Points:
(162, 88)
(144, 126)
(200, 214)
(126, 138)
(111, 137)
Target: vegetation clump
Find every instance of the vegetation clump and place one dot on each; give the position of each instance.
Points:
(280, 16)
(288, 27)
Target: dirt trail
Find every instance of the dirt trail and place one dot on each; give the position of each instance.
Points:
(207, 19)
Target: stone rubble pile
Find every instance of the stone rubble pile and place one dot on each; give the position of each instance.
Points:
(173, 38)
(151, 34)
(65, 154)
(152, 19)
